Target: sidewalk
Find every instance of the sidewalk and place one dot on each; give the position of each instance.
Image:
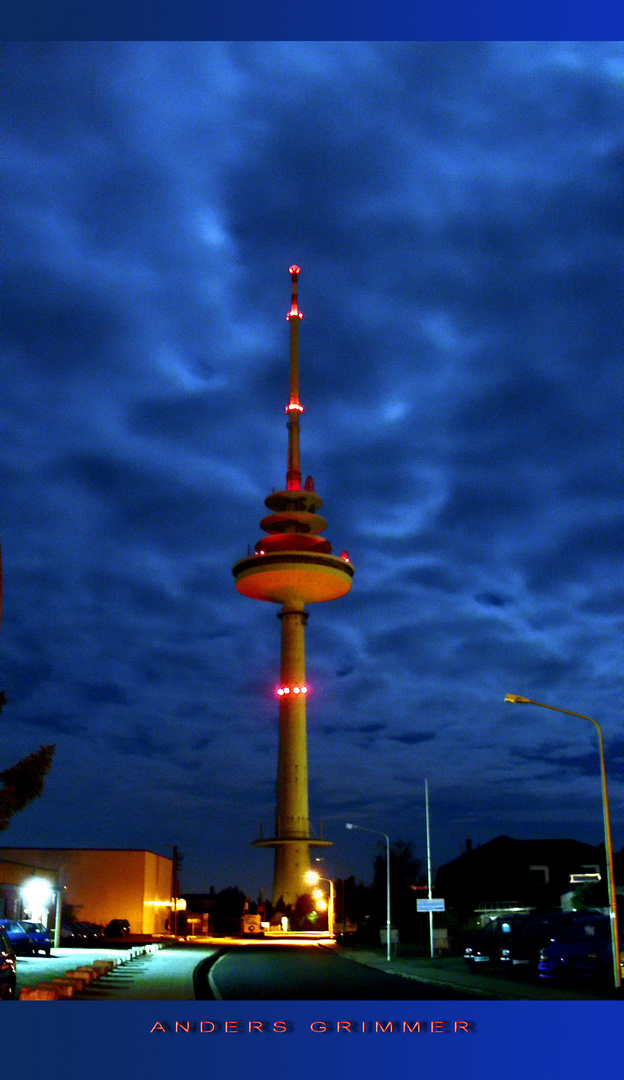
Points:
(451, 972)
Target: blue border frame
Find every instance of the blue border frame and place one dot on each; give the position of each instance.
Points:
(283, 20)
(508, 1039)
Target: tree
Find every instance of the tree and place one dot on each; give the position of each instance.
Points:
(592, 894)
(227, 911)
(305, 915)
(23, 781)
(353, 901)
(404, 871)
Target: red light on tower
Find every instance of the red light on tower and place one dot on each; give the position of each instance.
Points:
(294, 312)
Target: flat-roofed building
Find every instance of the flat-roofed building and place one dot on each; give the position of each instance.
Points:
(100, 884)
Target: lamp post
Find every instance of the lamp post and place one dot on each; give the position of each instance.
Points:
(429, 866)
(313, 878)
(387, 839)
(515, 699)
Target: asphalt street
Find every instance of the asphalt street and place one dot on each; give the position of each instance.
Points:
(308, 973)
(210, 970)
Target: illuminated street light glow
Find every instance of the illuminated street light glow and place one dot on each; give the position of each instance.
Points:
(312, 877)
(37, 892)
(37, 896)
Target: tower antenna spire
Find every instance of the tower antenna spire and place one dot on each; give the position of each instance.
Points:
(294, 407)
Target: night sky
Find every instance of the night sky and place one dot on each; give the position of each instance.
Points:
(456, 212)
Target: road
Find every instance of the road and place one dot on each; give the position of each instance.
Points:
(308, 973)
(286, 971)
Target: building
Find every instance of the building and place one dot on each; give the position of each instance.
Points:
(293, 566)
(506, 874)
(97, 884)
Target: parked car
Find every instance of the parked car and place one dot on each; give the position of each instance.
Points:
(583, 950)
(90, 932)
(485, 947)
(71, 934)
(20, 941)
(533, 933)
(8, 968)
(117, 928)
(40, 938)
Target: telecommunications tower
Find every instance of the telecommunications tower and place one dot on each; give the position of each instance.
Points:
(293, 566)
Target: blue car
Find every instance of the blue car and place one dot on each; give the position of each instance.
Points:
(40, 938)
(18, 937)
(583, 950)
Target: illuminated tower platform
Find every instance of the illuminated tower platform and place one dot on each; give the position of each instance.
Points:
(293, 566)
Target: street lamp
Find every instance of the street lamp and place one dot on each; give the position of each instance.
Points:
(387, 839)
(313, 878)
(37, 895)
(515, 699)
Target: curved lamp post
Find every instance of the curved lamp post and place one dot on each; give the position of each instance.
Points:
(387, 839)
(313, 878)
(514, 699)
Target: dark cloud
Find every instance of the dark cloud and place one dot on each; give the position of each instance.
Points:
(456, 210)
(412, 738)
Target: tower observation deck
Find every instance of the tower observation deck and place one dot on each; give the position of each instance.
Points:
(293, 566)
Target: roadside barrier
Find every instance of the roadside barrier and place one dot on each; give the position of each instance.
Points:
(72, 982)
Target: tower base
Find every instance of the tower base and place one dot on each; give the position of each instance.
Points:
(292, 862)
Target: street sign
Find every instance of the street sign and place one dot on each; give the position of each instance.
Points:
(430, 905)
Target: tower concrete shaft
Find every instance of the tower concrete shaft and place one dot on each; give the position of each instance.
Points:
(293, 566)
(292, 825)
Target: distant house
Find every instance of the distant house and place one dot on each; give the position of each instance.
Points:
(98, 884)
(505, 873)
